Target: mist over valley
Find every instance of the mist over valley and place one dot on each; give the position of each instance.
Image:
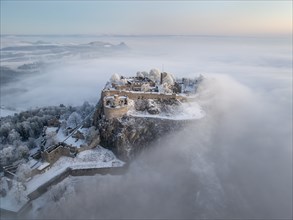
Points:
(235, 162)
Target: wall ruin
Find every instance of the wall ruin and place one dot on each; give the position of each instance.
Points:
(121, 110)
(54, 155)
(115, 112)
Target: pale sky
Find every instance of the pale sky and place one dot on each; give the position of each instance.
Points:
(147, 17)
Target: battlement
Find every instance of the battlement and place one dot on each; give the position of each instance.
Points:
(115, 103)
(141, 95)
(153, 86)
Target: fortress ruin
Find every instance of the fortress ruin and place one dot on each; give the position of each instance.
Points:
(155, 85)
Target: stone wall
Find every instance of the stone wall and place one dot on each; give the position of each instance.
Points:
(111, 113)
(76, 172)
(92, 145)
(115, 112)
(141, 95)
(54, 155)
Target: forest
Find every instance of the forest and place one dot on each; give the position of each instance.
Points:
(21, 134)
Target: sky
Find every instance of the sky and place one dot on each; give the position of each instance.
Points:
(147, 17)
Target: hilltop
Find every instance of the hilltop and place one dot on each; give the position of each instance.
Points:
(135, 111)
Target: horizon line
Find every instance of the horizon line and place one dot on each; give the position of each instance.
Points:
(153, 35)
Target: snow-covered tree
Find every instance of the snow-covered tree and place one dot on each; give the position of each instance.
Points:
(115, 78)
(63, 125)
(145, 87)
(139, 74)
(5, 129)
(24, 129)
(22, 151)
(145, 73)
(23, 172)
(74, 120)
(166, 88)
(50, 138)
(86, 108)
(155, 75)
(31, 143)
(91, 134)
(7, 154)
(152, 107)
(169, 79)
(13, 136)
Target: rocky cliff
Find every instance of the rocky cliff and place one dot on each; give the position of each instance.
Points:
(128, 136)
(149, 117)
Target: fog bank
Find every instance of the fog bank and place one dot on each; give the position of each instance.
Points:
(72, 80)
(234, 163)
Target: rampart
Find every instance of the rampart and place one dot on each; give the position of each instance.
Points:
(121, 110)
(54, 154)
(76, 172)
(115, 112)
(141, 95)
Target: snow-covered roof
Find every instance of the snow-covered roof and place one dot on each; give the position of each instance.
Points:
(112, 97)
(51, 129)
(43, 166)
(60, 137)
(33, 163)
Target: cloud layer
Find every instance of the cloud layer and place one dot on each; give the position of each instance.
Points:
(234, 163)
(249, 60)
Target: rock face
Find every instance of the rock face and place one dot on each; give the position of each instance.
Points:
(133, 112)
(128, 136)
(154, 107)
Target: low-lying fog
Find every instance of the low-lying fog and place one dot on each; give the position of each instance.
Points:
(74, 78)
(234, 163)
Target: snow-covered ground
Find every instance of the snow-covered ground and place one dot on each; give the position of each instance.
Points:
(61, 137)
(95, 158)
(186, 111)
(98, 157)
